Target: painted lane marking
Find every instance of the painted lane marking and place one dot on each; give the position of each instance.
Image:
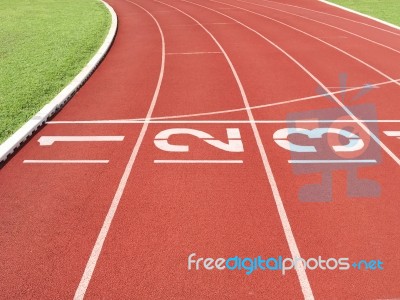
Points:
(340, 87)
(194, 161)
(50, 140)
(332, 161)
(393, 133)
(94, 256)
(216, 121)
(60, 161)
(280, 136)
(234, 140)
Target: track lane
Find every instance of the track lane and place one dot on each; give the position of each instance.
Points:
(97, 248)
(114, 90)
(51, 214)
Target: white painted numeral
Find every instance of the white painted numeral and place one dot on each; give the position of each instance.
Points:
(281, 138)
(234, 140)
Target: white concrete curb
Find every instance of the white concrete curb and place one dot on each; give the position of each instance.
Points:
(360, 14)
(13, 142)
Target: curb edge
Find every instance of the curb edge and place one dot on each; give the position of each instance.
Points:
(360, 14)
(10, 145)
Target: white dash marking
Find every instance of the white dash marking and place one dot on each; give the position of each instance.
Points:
(332, 161)
(392, 133)
(50, 140)
(62, 161)
(193, 161)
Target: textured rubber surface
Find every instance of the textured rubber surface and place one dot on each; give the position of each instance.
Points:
(218, 55)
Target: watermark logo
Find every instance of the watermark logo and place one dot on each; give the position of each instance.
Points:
(335, 139)
(279, 263)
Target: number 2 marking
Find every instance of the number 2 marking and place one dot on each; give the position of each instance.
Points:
(234, 140)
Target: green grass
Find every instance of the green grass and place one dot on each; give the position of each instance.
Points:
(43, 45)
(387, 10)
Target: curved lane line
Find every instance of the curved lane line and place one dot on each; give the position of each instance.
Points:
(94, 256)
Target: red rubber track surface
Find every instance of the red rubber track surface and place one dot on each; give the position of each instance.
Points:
(51, 214)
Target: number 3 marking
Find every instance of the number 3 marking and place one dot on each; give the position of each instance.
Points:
(280, 136)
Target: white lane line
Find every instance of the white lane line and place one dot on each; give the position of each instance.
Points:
(262, 105)
(94, 256)
(191, 53)
(301, 273)
(392, 133)
(46, 140)
(343, 18)
(326, 24)
(332, 161)
(218, 121)
(344, 107)
(275, 103)
(316, 38)
(194, 161)
(61, 161)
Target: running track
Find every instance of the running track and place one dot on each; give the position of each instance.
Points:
(122, 226)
